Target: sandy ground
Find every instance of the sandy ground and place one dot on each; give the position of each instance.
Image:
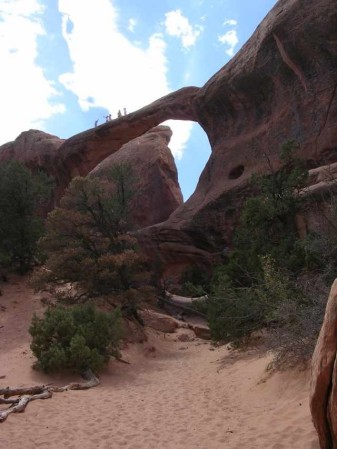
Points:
(173, 395)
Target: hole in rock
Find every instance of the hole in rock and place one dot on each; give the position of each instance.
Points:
(236, 172)
(191, 149)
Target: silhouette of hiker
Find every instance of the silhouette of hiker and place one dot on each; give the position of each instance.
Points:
(119, 114)
(96, 121)
(109, 117)
(124, 110)
(106, 119)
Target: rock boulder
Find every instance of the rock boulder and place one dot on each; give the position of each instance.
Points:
(154, 176)
(323, 397)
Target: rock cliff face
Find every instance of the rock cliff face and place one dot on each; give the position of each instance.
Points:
(156, 180)
(154, 176)
(38, 150)
(281, 85)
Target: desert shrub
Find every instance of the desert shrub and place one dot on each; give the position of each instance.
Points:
(273, 280)
(88, 243)
(78, 338)
(267, 223)
(321, 255)
(194, 282)
(201, 305)
(258, 280)
(294, 341)
(290, 308)
(21, 196)
(235, 312)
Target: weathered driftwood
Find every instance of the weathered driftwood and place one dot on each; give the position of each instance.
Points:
(8, 392)
(27, 394)
(182, 307)
(8, 401)
(22, 403)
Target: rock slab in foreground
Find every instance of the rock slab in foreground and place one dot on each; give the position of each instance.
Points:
(323, 397)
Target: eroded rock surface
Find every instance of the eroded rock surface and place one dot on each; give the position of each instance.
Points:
(83, 152)
(38, 150)
(159, 321)
(281, 85)
(323, 398)
(154, 176)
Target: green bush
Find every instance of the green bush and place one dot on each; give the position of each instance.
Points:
(21, 196)
(78, 338)
(88, 243)
(321, 255)
(195, 281)
(267, 224)
(235, 312)
(299, 320)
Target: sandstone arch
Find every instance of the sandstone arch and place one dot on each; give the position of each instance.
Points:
(281, 85)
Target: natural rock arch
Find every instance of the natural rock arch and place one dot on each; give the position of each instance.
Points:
(82, 153)
(281, 85)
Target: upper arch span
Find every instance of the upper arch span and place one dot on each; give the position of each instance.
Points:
(83, 152)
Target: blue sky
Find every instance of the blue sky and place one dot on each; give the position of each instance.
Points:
(66, 63)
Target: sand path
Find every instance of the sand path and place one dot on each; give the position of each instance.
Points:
(176, 396)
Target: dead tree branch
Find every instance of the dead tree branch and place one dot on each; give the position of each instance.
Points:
(28, 394)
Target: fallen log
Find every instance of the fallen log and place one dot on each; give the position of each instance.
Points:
(8, 392)
(8, 401)
(22, 403)
(28, 394)
(182, 307)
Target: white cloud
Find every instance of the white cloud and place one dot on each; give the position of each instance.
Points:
(106, 65)
(230, 39)
(181, 133)
(109, 71)
(132, 25)
(26, 103)
(230, 22)
(177, 25)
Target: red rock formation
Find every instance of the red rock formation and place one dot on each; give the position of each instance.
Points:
(38, 150)
(160, 322)
(323, 397)
(152, 161)
(83, 152)
(281, 85)
(154, 174)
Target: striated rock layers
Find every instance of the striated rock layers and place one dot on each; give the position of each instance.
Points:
(156, 191)
(323, 397)
(281, 85)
